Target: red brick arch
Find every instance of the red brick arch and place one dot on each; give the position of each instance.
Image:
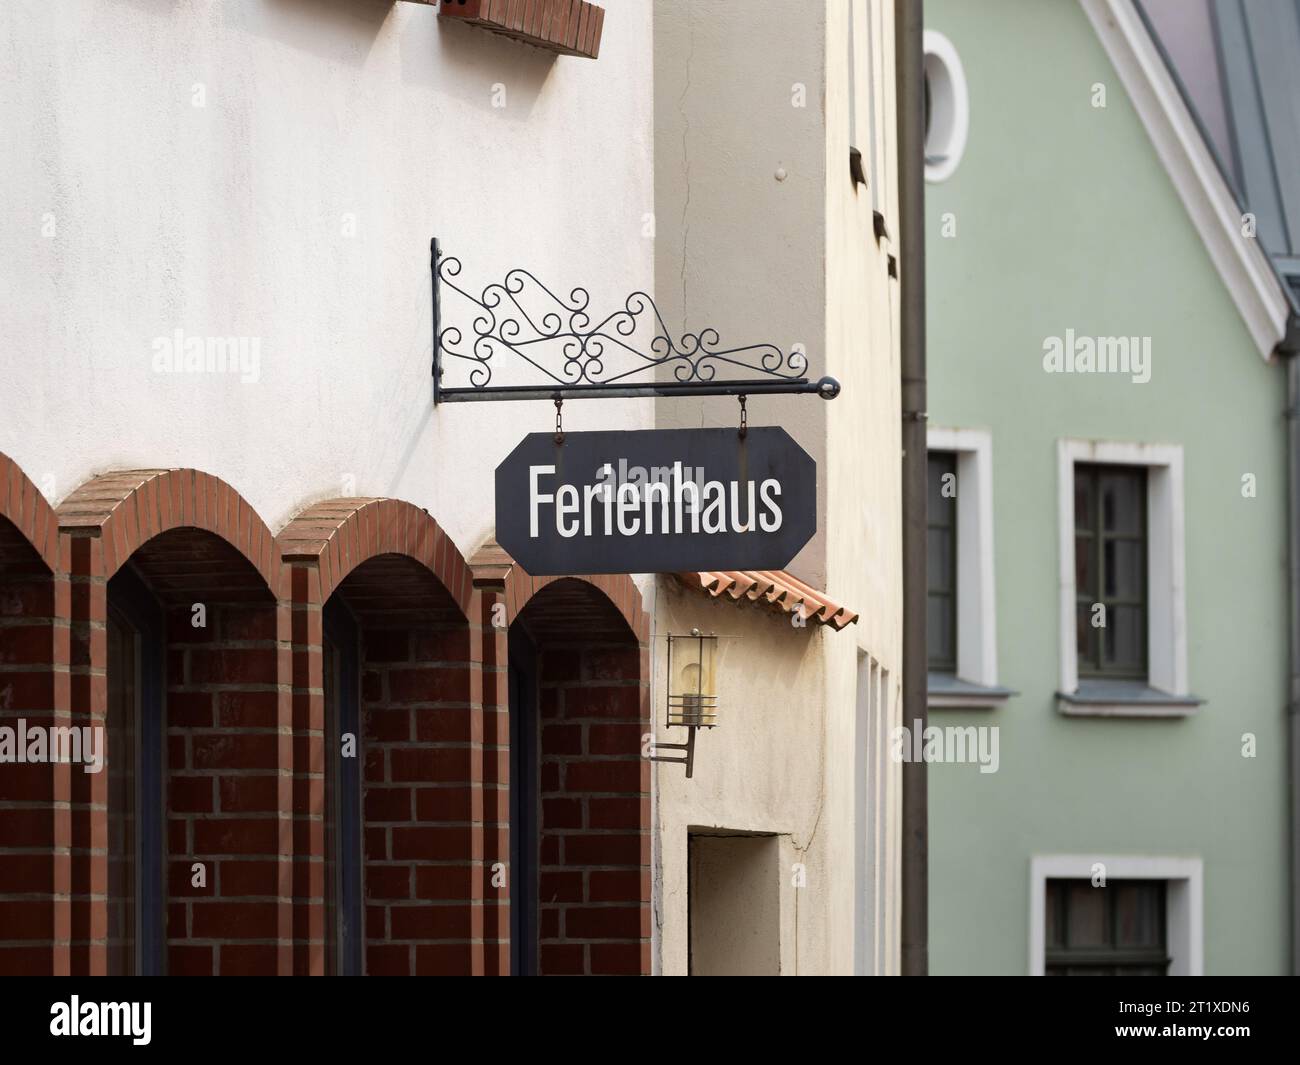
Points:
(226, 713)
(125, 509)
(594, 694)
(34, 652)
(492, 565)
(23, 505)
(421, 716)
(340, 534)
(618, 588)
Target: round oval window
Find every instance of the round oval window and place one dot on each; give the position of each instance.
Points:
(947, 107)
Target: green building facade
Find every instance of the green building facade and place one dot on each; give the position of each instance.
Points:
(1114, 429)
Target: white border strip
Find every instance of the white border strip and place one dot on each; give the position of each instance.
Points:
(977, 629)
(1184, 915)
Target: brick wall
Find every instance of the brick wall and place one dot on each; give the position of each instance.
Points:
(243, 773)
(421, 749)
(224, 753)
(421, 752)
(408, 590)
(33, 830)
(191, 538)
(595, 816)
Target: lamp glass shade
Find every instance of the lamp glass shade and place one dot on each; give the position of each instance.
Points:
(692, 680)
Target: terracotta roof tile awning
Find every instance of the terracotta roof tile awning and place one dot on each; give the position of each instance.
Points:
(776, 589)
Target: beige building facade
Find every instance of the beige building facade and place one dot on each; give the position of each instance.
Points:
(781, 853)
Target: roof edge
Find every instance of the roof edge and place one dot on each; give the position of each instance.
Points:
(1246, 271)
(777, 590)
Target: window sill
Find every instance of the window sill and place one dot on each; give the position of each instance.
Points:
(944, 691)
(1124, 698)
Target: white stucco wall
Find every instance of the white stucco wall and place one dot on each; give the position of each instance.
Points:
(740, 169)
(129, 212)
(761, 770)
(863, 459)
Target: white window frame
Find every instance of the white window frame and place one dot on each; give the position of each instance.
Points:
(977, 630)
(1166, 568)
(1184, 901)
(949, 102)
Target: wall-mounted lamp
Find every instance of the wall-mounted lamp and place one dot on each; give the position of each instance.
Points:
(692, 692)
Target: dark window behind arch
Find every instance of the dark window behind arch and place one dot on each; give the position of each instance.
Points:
(343, 928)
(133, 732)
(525, 798)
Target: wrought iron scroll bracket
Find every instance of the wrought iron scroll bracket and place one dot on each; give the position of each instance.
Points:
(519, 326)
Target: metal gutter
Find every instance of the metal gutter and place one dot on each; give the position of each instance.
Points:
(1293, 691)
(909, 62)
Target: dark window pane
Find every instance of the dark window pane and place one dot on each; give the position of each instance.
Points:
(939, 633)
(942, 469)
(1125, 640)
(1084, 518)
(1085, 565)
(1124, 564)
(1086, 921)
(121, 738)
(939, 561)
(1139, 914)
(1116, 930)
(331, 666)
(1087, 640)
(1123, 500)
(1110, 568)
(343, 910)
(133, 734)
(1055, 916)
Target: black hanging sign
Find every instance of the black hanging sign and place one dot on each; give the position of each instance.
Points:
(656, 501)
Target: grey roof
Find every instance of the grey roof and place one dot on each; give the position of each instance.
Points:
(1238, 65)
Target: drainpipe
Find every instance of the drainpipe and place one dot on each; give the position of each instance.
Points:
(1289, 349)
(1293, 703)
(909, 79)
